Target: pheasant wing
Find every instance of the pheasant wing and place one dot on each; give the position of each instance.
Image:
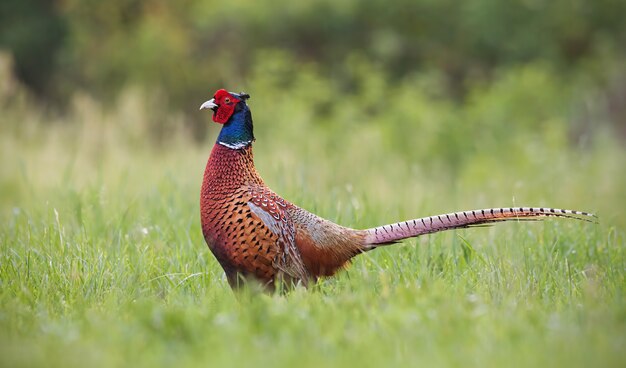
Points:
(270, 209)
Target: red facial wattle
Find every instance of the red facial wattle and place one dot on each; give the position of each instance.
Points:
(226, 106)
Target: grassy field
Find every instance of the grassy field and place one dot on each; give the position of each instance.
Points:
(102, 261)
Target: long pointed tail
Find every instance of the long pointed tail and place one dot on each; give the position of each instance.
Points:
(392, 233)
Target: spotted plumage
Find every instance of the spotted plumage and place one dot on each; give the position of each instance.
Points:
(255, 234)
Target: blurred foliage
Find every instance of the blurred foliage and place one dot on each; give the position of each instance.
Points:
(35, 32)
(180, 51)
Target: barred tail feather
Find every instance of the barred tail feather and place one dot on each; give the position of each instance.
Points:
(388, 234)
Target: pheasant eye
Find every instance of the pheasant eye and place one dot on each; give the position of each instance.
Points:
(227, 100)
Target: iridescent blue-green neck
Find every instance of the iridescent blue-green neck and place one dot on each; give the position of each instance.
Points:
(237, 133)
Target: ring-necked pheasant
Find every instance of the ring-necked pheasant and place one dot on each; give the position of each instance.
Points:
(256, 234)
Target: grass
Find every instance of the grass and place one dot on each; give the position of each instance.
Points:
(102, 262)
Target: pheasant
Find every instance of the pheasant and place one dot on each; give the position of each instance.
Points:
(256, 234)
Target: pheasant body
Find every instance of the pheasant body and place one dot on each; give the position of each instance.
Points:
(256, 234)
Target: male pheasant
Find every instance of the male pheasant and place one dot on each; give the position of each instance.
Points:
(255, 234)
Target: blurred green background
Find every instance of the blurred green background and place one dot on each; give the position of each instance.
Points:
(448, 91)
(366, 112)
(447, 50)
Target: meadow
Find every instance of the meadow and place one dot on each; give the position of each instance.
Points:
(102, 261)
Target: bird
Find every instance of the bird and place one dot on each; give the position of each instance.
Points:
(258, 236)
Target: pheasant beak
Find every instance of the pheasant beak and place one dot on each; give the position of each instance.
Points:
(210, 104)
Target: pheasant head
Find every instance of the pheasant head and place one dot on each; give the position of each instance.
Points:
(231, 110)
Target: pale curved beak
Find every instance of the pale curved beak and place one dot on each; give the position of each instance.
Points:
(210, 104)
